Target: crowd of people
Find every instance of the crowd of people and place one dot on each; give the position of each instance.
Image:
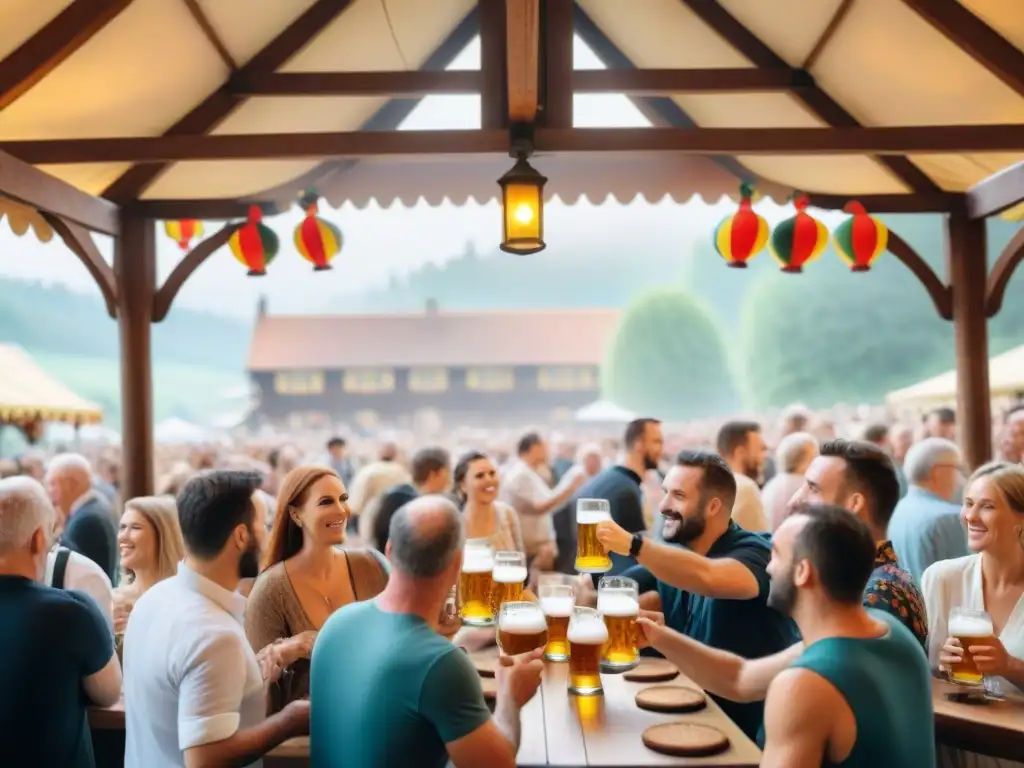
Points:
(786, 571)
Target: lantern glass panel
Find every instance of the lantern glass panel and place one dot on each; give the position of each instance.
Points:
(523, 217)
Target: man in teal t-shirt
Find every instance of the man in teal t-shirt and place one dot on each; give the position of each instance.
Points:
(387, 690)
(857, 692)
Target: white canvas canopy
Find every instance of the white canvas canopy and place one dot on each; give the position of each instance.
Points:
(604, 411)
(1006, 379)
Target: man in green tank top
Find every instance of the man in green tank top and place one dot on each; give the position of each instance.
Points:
(856, 693)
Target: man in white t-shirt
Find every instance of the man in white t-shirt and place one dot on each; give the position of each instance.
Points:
(741, 445)
(69, 570)
(523, 489)
(194, 691)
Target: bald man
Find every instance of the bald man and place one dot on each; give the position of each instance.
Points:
(396, 681)
(88, 522)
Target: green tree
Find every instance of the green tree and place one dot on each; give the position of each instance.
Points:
(668, 359)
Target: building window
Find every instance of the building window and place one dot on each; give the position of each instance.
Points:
(567, 378)
(428, 380)
(299, 382)
(369, 380)
(491, 379)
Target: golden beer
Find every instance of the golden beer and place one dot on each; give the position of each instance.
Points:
(509, 577)
(619, 609)
(591, 557)
(521, 628)
(969, 627)
(587, 636)
(475, 587)
(557, 602)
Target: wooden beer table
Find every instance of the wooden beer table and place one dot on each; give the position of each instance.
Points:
(992, 728)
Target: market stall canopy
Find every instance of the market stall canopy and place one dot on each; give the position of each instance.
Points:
(27, 392)
(1005, 375)
(604, 411)
(144, 69)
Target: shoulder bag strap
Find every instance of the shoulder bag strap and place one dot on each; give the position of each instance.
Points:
(60, 566)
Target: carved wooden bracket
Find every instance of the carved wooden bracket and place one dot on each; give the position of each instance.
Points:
(1002, 271)
(941, 294)
(77, 238)
(192, 261)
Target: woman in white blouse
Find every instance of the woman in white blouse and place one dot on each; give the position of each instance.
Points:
(991, 579)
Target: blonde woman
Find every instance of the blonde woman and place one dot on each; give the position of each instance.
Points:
(150, 545)
(990, 579)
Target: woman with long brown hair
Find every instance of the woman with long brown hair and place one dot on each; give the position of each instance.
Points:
(306, 576)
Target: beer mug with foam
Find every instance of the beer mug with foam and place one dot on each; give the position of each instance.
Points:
(509, 578)
(970, 627)
(521, 628)
(557, 602)
(587, 636)
(591, 557)
(474, 589)
(618, 602)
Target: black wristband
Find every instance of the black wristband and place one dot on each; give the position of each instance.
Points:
(636, 545)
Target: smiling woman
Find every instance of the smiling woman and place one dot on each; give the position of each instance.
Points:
(306, 577)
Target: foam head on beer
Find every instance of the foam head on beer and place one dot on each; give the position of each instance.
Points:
(587, 632)
(617, 604)
(961, 626)
(521, 628)
(557, 606)
(477, 560)
(509, 574)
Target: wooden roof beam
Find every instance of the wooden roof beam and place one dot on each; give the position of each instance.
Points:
(814, 98)
(48, 194)
(68, 31)
(977, 39)
(997, 193)
(222, 102)
(949, 139)
(522, 48)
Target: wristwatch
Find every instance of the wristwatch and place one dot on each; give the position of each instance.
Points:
(636, 545)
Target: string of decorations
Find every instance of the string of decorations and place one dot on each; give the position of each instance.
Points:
(256, 245)
(800, 239)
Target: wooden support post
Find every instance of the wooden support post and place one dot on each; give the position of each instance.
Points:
(557, 62)
(135, 269)
(967, 265)
(493, 109)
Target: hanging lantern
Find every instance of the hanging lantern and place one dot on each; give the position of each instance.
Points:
(316, 240)
(522, 207)
(744, 234)
(799, 240)
(861, 239)
(184, 231)
(254, 244)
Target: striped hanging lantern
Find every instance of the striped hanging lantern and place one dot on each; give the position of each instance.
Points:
(861, 239)
(255, 244)
(317, 241)
(799, 240)
(184, 231)
(744, 234)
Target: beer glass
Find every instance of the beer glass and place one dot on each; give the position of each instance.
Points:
(591, 557)
(509, 579)
(970, 627)
(618, 602)
(557, 601)
(587, 637)
(474, 590)
(521, 628)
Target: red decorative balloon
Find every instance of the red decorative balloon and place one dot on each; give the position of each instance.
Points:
(254, 244)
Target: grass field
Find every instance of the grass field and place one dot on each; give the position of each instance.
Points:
(190, 392)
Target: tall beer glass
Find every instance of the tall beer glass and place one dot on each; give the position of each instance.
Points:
(521, 628)
(509, 579)
(474, 592)
(591, 557)
(557, 601)
(587, 637)
(970, 627)
(618, 602)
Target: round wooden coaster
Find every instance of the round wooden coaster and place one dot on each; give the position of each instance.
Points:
(685, 739)
(671, 698)
(652, 671)
(490, 688)
(485, 661)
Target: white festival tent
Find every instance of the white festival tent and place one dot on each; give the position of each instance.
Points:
(1005, 374)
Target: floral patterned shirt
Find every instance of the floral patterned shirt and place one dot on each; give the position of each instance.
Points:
(892, 589)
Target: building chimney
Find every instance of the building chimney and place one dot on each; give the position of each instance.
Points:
(261, 306)
(431, 307)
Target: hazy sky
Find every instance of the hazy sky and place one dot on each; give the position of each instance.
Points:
(380, 242)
